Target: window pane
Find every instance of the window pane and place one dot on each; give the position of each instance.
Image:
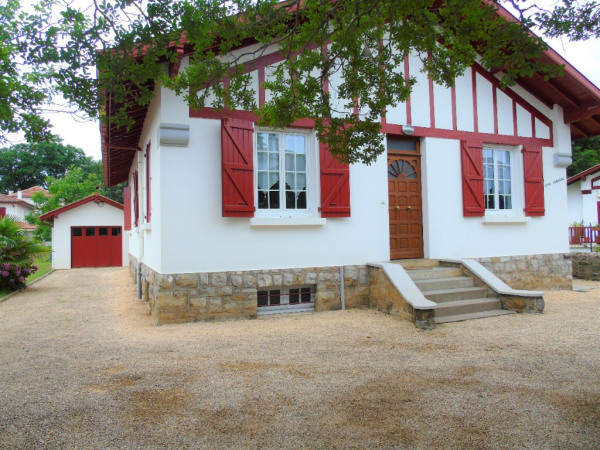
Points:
(294, 143)
(263, 200)
(274, 199)
(290, 180)
(274, 180)
(275, 297)
(76, 231)
(90, 232)
(273, 143)
(116, 231)
(294, 296)
(262, 298)
(273, 161)
(261, 141)
(263, 180)
(301, 182)
(262, 160)
(301, 163)
(103, 231)
(289, 161)
(290, 200)
(301, 201)
(406, 145)
(306, 295)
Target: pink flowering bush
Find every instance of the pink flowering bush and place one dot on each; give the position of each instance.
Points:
(17, 251)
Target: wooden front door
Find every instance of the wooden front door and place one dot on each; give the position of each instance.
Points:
(405, 206)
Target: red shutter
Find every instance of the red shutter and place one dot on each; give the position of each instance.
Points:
(136, 199)
(127, 207)
(2, 212)
(148, 184)
(237, 150)
(471, 156)
(533, 169)
(335, 185)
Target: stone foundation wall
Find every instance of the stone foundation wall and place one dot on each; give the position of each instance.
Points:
(385, 297)
(193, 297)
(534, 272)
(586, 266)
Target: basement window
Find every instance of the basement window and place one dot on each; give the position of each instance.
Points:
(286, 299)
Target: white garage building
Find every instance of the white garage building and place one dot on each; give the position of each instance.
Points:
(88, 233)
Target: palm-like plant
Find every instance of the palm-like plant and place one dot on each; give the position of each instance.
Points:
(17, 251)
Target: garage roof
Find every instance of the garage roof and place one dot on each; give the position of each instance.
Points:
(96, 198)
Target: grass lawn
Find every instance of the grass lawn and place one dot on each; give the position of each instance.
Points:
(44, 266)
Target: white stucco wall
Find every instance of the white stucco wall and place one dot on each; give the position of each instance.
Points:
(583, 207)
(195, 238)
(188, 234)
(88, 214)
(451, 235)
(15, 209)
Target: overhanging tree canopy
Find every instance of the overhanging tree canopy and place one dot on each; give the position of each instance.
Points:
(357, 40)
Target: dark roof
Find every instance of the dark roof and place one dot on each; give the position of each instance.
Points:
(578, 96)
(97, 198)
(584, 174)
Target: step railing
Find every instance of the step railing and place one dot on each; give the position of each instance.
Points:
(584, 235)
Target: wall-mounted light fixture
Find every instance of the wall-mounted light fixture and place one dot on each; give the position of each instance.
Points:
(408, 129)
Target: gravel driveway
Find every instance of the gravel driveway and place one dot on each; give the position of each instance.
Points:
(82, 366)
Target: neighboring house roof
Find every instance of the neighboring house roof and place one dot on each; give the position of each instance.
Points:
(27, 226)
(584, 174)
(28, 193)
(96, 198)
(579, 98)
(9, 199)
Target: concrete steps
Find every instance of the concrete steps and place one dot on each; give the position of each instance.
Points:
(458, 296)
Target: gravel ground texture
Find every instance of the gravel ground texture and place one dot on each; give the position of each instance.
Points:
(83, 366)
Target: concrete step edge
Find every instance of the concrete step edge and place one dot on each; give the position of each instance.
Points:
(469, 316)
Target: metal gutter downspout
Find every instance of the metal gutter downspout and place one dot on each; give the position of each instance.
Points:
(342, 293)
(140, 229)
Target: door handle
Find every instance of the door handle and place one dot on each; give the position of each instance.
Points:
(397, 208)
(408, 207)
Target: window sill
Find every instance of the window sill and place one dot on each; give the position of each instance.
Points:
(287, 221)
(506, 219)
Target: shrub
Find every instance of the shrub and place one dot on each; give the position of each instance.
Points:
(17, 251)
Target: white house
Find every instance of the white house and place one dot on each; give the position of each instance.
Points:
(474, 171)
(27, 194)
(584, 196)
(88, 233)
(13, 206)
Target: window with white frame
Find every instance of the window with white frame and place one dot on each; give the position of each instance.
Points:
(498, 179)
(283, 172)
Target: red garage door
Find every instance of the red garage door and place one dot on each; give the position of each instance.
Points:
(96, 246)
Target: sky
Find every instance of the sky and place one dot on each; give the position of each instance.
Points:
(584, 56)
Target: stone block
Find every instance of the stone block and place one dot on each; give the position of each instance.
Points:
(186, 280)
(249, 281)
(219, 279)
(172, 299)
(311, 277)
(165, 281)
(224, 290)
(264, 280)
(288, 279)
(198, 302)
(214, 304)
(236, 280)
(204, 279)
(277, 280)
